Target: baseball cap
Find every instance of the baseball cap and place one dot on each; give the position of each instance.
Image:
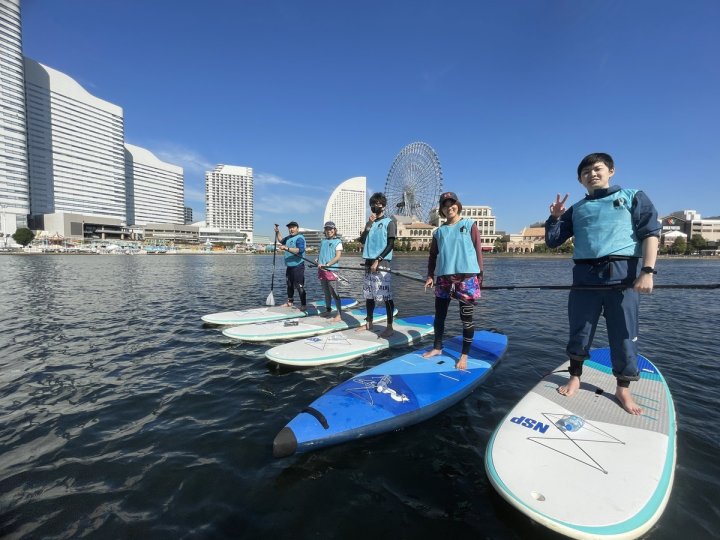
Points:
(329, 225)
(292, 224)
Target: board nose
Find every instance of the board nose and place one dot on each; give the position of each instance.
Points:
(285, 443)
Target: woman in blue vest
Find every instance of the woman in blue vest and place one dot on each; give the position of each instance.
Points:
(378, 240)
(331, 249)
(293, 246)
(455, 270)
(614, 230)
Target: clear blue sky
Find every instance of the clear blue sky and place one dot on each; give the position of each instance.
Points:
(511, 95)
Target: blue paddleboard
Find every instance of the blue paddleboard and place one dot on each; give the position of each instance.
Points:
(395, 394)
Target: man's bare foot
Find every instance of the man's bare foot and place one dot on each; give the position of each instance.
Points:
(626, 401)
(387, 332)
(337, 318)
(287, 304)
(571, 388)
(432, 352)
(367, 326)
(462, 362)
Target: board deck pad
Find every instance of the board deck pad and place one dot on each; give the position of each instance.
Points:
(272, 313)
(344, 346)
(302, 327)
(400, 392)
(609, 479)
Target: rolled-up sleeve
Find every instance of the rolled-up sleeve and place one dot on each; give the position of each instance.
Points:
(557, 231)
(645, 217)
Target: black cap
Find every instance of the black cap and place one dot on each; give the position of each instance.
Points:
(292, 224)
(448, 196)
(329, 225)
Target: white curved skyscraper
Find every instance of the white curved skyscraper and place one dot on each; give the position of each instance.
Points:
(75, 147)
(346, 207)
(155, 190)
(14, 183)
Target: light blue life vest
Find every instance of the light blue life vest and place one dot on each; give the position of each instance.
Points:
(291, 259)
(604, 227)
(376, 240)
(328, 250)
(456, 251)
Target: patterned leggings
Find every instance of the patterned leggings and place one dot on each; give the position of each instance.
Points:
(466, 316)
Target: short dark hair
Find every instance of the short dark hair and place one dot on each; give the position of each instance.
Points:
(378, 197)
(592, 159)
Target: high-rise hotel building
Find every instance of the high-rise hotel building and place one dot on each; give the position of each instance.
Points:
(229, 198)
(14, 180)
(346, 207)
(75, 147)
(155, 190)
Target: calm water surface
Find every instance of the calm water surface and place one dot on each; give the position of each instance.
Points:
(122, 416)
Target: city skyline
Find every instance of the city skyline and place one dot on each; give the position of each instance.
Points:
(511, 97)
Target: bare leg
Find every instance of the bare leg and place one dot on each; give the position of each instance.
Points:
(626, 401)
(571, 388)
(432, 352)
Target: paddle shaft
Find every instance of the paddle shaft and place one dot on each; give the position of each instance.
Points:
(417, 277)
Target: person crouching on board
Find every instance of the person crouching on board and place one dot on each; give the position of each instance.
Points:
(378, 240)
(614, 228)
(293, 248)
(331, 249)
(455, 270)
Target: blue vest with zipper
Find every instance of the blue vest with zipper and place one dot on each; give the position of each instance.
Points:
(377, 240)
(456, 251)
(328, 250)
(604, 227)
(292, 259)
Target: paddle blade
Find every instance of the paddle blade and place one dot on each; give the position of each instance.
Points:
(270, 300)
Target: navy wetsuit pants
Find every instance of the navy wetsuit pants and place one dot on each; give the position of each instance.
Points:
(620, 308)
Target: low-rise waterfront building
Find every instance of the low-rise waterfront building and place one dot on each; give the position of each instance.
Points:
(526, 240)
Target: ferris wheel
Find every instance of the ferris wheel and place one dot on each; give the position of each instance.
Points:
(414, 182)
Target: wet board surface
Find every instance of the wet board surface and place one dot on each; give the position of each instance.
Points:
(397, 393)
(271, 313)
(301, 327)
(341, 347)
(609, 479)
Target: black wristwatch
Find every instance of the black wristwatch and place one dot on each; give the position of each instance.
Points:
(648, 270)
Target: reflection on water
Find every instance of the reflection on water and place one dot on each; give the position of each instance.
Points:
(123, 416)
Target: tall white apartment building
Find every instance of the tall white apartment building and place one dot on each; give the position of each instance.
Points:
(75, 147)
(155, 190)
(14, 183)
(346, 207)
(229, 198)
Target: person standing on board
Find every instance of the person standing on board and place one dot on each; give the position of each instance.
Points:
(293, 248)
(455, 270)
(378, 240)
(331, 249)
(614, 229)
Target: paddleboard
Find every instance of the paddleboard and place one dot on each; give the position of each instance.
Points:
(392, 395)
(343, 346)
(612, 477)
(271, 313)
(300, 328)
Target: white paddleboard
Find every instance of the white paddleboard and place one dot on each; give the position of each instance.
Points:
(271, 313)
(297, 328)
(343, 346)
(609, 479)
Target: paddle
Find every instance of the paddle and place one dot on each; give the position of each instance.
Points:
(271, 299)
(329, 270)
(417, 277)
